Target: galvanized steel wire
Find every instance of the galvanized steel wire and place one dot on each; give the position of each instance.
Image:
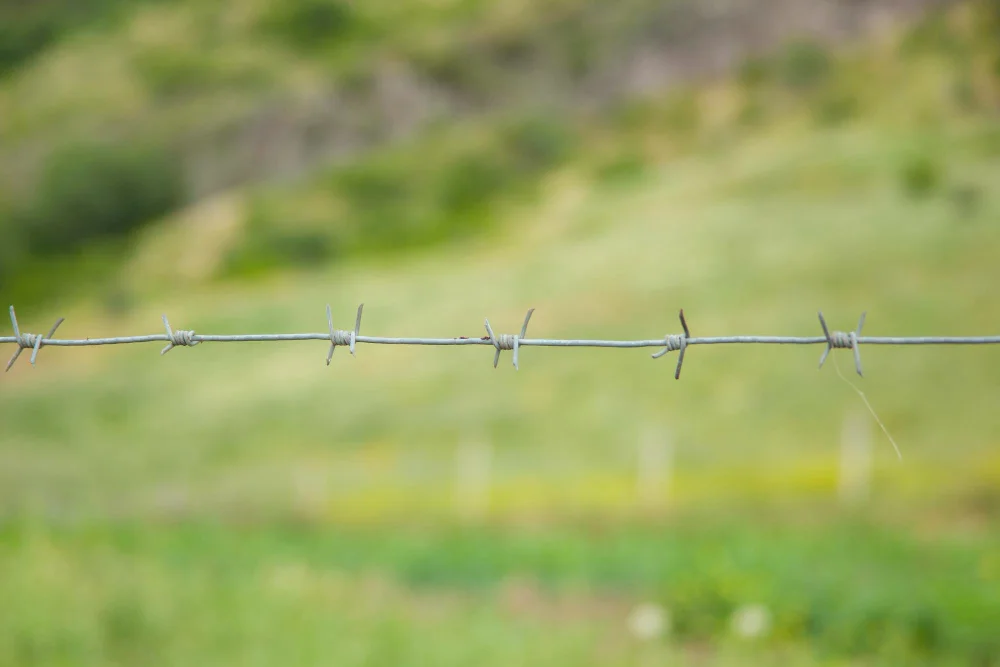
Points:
(852, 340)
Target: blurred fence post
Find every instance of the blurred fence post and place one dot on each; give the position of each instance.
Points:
(654, 468)
(855, 459)
(473, 459)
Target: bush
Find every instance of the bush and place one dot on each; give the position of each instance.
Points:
(469, 182)
(538, 143)
(444, 187)
(169, 72)
(835, 108)
(270, 246)
(28, 27)
(920, 176)
(804, 65)
(384, 198)
(92, 191)
(12, 248)
(310, 24)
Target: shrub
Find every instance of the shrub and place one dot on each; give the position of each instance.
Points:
(920, 176)
(170, 72)
(12, 248)
(804, 65)
(29, 27)
(385, 199)
(469, 182)
(310, 24)
(835, 108)
(538, 143)
(444, 187)
(273, 247)
(90, 191)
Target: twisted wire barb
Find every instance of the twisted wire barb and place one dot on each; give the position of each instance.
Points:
(341, 337)
(507, 341)
(27, 341)
(670, 343)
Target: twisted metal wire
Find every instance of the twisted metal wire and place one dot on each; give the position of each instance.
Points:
(500, 342)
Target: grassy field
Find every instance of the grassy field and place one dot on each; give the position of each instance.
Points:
(843, 592)
(246, 504)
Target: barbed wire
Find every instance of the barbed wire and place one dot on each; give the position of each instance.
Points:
(501, 342)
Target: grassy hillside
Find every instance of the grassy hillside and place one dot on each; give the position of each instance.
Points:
(244, 503)
(114, 119)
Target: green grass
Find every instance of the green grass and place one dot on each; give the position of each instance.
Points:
(402, 595)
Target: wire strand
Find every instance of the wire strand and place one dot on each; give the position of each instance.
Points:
(501, 342)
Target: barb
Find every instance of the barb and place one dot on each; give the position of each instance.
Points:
(341, 337)
(26, 341)
(508, 341)
(675, 342)
(336, 337)
(841, 340)
(177, 338)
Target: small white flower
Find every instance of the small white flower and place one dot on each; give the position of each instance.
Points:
(751, 621)
(649, 621)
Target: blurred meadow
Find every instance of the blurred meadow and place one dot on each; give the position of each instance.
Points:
(237, 166)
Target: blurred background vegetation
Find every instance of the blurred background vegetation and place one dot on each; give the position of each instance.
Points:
(239, 165)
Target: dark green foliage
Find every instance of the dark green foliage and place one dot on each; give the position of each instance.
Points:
(804, 65)
(269, 246)
(12, 249)
(27, 27)
(172, 73)
(920, 176)
(405, 198)
(538, 143)
(309, 25)
(93, 191)
(835, 108)
(469, 183)
(374, 184)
